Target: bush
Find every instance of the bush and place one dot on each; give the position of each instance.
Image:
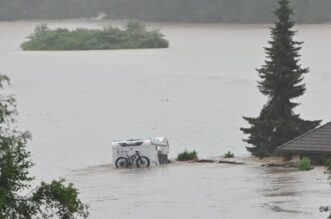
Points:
(229, 154)
(187, 155)
(134, 36)
(304, 164)
(57, 199)
(328, 166)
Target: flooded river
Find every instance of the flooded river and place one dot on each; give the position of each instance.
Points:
(76, 103)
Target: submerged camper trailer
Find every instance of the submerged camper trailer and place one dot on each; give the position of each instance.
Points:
(155, 149)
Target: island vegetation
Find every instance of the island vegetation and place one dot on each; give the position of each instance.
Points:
(281, 80)
(227, 11)
(17, 200)
(134, 36)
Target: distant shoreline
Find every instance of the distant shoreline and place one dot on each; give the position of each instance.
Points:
(122, 22)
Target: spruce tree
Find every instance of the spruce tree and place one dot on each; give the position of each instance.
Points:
(281, 80)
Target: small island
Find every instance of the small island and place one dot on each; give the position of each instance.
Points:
(133, 36)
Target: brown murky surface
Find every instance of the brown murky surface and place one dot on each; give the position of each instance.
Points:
(195, 92)
(203, 191)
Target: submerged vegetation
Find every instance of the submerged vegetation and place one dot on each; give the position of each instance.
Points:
(48, 200)
(229, 154)
(187, 155)
(305, 164)
(134, 36)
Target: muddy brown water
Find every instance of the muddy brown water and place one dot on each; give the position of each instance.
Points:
(76, 102)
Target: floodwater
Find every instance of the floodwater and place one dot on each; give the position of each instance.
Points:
(76, 103)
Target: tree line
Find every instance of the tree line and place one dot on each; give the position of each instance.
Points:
(236, 11)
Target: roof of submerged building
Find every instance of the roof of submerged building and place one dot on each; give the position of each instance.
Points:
(315, 141)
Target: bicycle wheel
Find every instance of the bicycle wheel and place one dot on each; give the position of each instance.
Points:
(121, 162)
(142, 162)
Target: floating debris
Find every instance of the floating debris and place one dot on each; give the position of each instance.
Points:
(231, 162)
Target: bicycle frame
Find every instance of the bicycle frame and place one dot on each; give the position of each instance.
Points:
(131, 159)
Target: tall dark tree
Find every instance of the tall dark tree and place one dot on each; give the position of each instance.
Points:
(281, 81)
(54, 200)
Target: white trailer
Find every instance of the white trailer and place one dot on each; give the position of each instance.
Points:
(156, 149)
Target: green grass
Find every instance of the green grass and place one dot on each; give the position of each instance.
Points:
(134, 36)
(187, 155)
(304, 164)
(229, 154)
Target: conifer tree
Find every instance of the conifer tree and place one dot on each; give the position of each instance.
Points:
(281, 80)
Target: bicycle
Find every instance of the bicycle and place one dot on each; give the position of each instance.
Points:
(128, 161)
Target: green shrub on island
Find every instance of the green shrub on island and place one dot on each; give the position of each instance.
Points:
(229, 154)
(305, 164)
(134, 36)
(187, 155)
